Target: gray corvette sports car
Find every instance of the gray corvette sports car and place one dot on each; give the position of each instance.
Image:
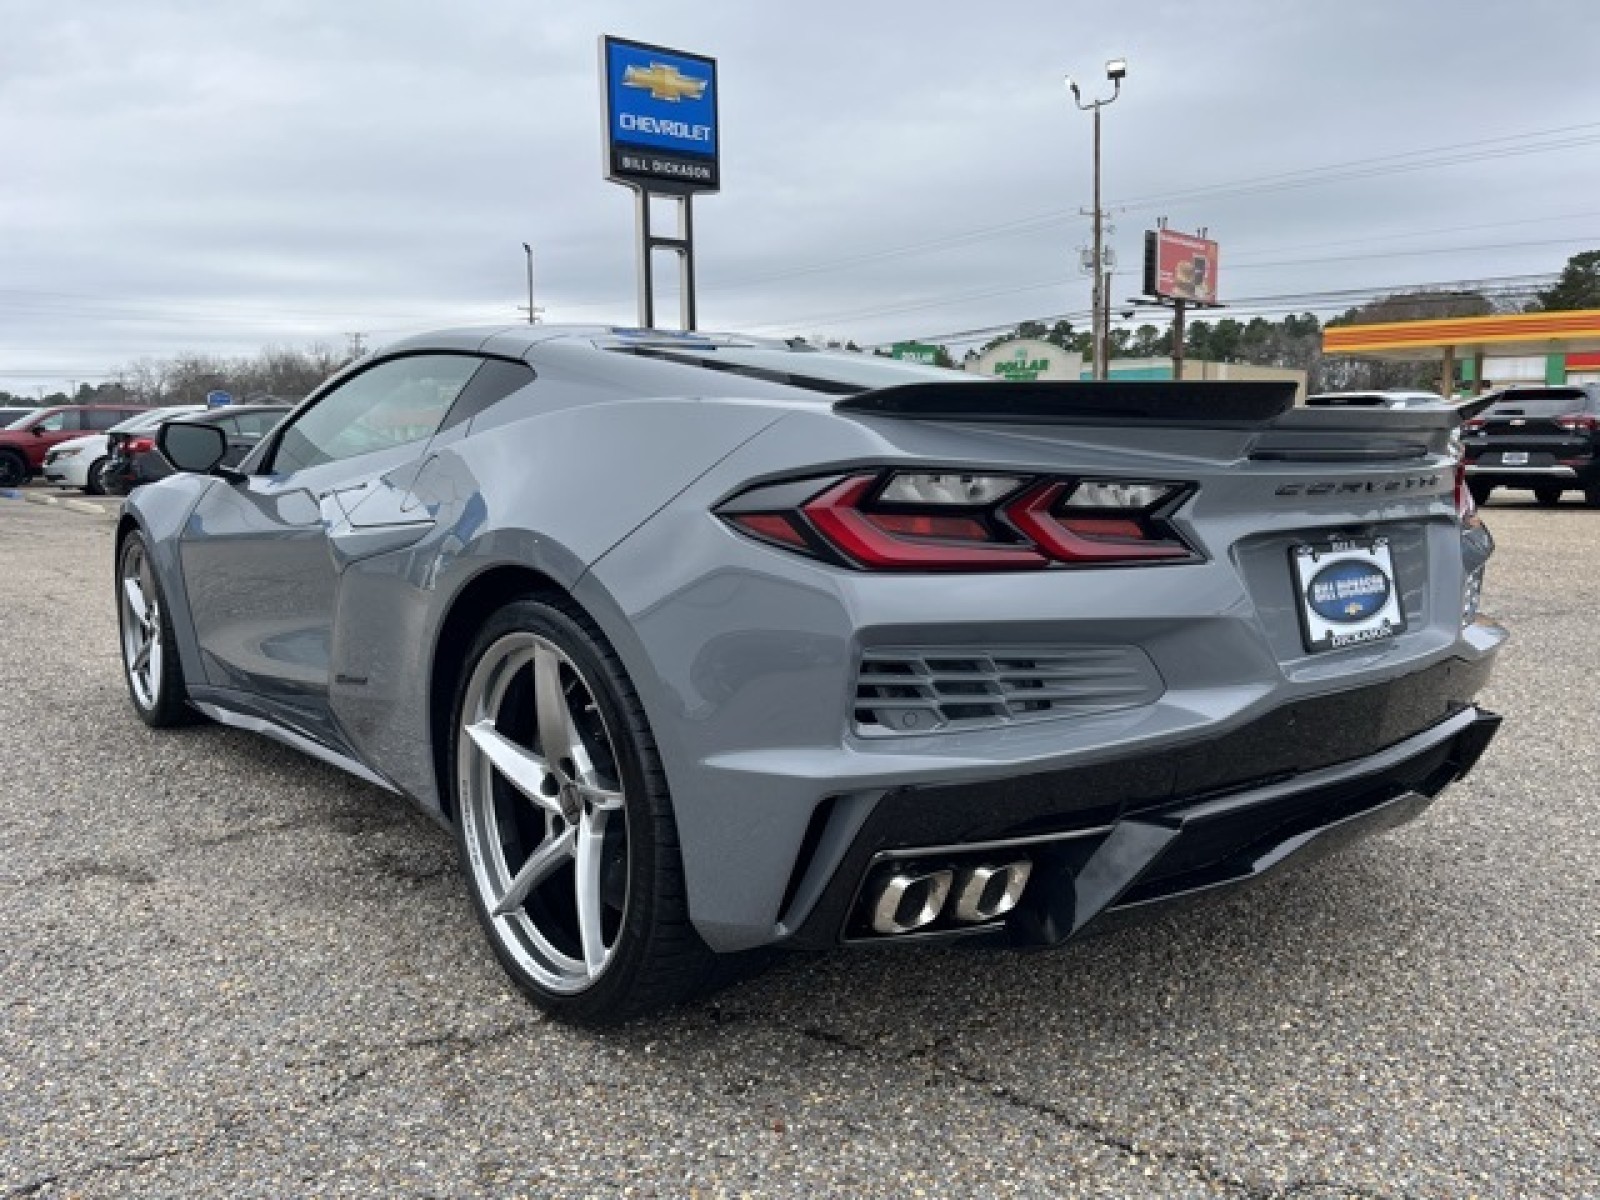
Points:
(705, 643)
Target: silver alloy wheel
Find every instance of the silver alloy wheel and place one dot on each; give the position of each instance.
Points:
(542, 812)
(141, 626)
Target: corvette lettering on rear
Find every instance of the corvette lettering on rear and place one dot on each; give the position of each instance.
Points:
(1363, 487)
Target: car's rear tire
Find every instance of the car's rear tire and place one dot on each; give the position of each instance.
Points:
(150, 665)
(1480, 491)
(13, 469)
(1547, 497)
(565, 826)
(93, 484)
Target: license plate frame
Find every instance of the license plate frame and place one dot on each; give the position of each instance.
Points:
(1347, 592)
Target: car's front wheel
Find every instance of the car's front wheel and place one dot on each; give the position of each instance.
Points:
(149, 656)
(13, 469)
(565, 826)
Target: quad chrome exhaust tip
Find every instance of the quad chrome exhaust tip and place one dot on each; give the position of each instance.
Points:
(986, 892)
(906, 902)
(909, 900)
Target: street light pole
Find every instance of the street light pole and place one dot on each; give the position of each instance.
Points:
(533, 313)
(1116, 71)
(1099, 323)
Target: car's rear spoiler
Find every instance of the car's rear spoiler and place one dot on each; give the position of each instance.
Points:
(1202, 404)
(1211, 403)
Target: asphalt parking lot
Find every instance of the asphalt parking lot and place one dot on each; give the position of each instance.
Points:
(227, 970)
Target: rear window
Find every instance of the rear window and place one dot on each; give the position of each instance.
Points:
(1551, 403)
(1348, 400)
(828, 372)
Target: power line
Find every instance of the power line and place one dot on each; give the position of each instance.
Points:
(1508, 145)
(1286, 302)
(1064, 282)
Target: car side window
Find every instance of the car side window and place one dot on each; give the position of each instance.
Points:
(495, 380)
(399, 401)
(57, 422)
(101, 419)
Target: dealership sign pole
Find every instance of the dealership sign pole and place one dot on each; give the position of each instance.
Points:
(661, 139)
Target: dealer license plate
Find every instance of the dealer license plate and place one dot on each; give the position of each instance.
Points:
(1514, 458)
(1348, 593)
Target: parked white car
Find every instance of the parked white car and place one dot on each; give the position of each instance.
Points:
(77, 463)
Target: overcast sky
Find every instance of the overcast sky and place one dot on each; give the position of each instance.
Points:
(185, 176)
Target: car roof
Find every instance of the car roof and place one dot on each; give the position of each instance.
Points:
(663, 362)
(232, 410)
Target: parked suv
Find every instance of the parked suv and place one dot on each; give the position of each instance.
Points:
(132, 458)
(1543, 439)
(24, 443)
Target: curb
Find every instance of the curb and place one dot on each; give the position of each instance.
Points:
(83, 506)
(39, 498)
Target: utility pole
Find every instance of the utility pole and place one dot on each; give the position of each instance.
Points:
(1177, 339)
(532, 309)
(1116, 71)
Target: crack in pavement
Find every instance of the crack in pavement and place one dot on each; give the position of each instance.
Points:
(131, 1162)
(949, 1068)
(384, 1056)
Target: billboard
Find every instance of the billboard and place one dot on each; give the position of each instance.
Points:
(660, 117)
(1180, 266)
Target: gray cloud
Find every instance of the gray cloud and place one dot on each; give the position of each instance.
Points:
(179, 176)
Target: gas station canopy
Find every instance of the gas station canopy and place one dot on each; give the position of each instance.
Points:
(1572, 332)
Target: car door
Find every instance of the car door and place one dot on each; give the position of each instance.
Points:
(60, 426)
(262, 552)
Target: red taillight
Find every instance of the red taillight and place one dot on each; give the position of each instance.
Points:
(772, 527)
(1466, 506)
(1087, 535)
(838, 515)
(139, 445)
(1474, 425)
(1578, 423)
(947, 521)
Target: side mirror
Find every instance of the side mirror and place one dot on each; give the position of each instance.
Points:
(196, 448)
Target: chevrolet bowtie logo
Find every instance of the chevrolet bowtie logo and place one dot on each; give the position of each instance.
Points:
(664, 82)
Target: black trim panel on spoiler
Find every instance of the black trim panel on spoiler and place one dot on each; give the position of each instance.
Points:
(1207, 404)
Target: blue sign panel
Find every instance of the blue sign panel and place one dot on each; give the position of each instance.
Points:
(660, 118)
(218, 399)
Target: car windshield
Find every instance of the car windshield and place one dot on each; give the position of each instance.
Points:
(148, 420)
(22, 421)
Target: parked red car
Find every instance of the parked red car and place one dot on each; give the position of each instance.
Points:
(24, 442)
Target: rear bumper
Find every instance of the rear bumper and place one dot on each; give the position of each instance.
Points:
(1565, 475)
(1108, 840)
(1528, 473)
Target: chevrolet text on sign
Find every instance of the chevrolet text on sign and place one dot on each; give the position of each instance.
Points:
(660, 117)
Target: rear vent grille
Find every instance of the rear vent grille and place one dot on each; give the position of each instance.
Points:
(902, 691)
